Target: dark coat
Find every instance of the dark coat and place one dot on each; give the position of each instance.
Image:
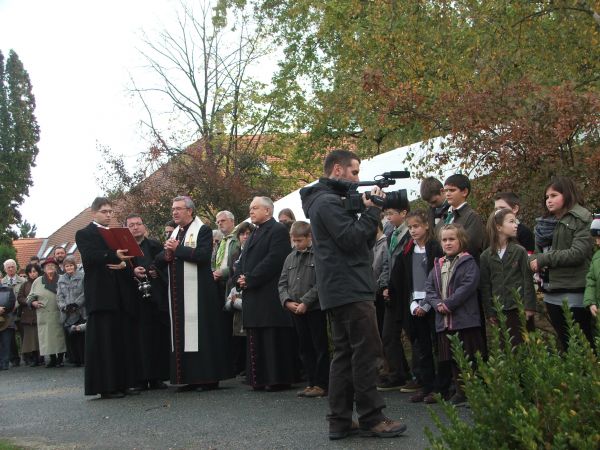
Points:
(462, 294)
(298, 281)
(28, 315)
(499, 277)
(261, 262)
(473, 225)
(401, 286)
(343, 245)
(101, 288)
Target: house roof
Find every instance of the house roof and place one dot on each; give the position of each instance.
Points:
(26, 248)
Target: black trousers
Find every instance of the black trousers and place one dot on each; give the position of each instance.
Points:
(582, 316)
(398, 369)
(313, 346)
(353, 372)
(423, 330)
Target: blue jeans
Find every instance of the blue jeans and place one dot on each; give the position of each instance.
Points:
(5, 340)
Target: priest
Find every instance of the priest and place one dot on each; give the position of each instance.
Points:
(200, 355)
(270, 346)
(154, 322)
(110, 345)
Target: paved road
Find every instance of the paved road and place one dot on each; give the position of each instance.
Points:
(46, 408)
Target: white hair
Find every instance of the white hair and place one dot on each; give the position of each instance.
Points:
(266, 202)
(10, 262)
(227, 214)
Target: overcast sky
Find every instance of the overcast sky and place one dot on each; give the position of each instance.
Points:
(79, 55)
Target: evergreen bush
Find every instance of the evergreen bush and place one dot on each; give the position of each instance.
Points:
(528, 397)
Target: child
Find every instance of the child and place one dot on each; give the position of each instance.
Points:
(432, 192)
(451, 290)
(408, 279)
(591, 297)
(563, 253)
(397, 374)
(511, 201)
(457, 188)
(504, 271)
(298, 294)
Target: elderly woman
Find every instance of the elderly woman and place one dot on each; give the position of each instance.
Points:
(43, 298)
(30, 347)
(70, 299)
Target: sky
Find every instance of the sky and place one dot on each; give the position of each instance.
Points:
(80, 56)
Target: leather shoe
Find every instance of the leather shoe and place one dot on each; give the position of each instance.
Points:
(110, 395)
(385, 429)
(341, 434)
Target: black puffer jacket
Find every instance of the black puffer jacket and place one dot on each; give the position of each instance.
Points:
(342, 243)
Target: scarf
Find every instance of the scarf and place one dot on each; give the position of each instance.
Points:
(544, 230)
(50, 285)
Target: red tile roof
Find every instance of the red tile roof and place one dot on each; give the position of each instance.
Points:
(26, 248)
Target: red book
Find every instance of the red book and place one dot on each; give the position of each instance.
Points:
(119, 239)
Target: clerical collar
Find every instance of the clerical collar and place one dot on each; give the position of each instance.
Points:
(100, 226)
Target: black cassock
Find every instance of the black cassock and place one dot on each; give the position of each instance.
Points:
(111, 341)
(202, 355)
(154, 318)
(270, 347)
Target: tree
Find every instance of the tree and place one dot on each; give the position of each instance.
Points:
(27, 230)
(216, 145)
(501, 78)
(19, 135)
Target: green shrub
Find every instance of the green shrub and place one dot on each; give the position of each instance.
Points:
(529, 397)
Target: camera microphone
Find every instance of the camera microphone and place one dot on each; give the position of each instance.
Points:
(396, 174)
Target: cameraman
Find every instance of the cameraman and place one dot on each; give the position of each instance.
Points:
(342, 245)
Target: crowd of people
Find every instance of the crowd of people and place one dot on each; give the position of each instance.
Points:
(267, 299)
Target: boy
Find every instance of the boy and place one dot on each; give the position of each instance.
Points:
(432, 192)
(457, 188)
(591, 297)
(298, 294)
(394, 320)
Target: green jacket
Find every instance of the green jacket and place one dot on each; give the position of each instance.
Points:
(592, 290)
(500, 277)
(572, 246)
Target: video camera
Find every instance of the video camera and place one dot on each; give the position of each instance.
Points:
(394, 199)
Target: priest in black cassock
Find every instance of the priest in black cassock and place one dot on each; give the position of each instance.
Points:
(269, 329)
(200, 354)
(111, 351)
(154, 324)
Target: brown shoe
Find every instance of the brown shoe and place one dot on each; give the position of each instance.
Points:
(387, 428)
(431, 399)
(411, 386)
(304, 391)
(316, 391)
(418, 397)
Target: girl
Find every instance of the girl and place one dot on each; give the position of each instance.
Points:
(451, 290)
(408, 279)
(563, 253)
(504, 271)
